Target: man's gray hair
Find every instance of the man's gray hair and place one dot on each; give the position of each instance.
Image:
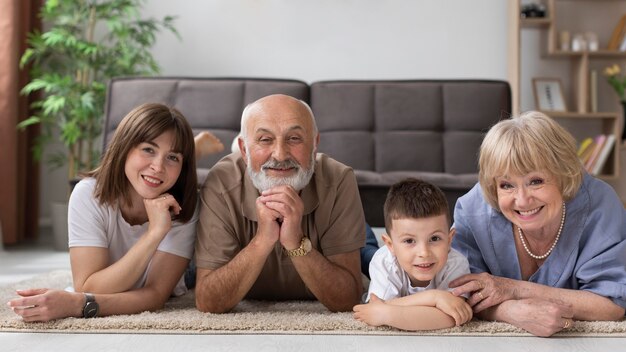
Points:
(245, 116)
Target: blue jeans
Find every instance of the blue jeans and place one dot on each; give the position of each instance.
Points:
(367, 252)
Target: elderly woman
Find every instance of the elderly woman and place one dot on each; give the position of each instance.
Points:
(546, 242)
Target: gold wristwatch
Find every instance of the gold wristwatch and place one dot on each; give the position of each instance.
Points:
(304, 249)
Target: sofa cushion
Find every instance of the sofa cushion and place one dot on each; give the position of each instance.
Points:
(409, 150)
(416, 125)
(357, 146)
(470, 110)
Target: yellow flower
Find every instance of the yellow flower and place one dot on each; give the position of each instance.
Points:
(612, 70)
(616, 80)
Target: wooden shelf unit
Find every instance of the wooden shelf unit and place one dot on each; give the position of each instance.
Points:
(577, 120)
(535, 22)
(600, 54)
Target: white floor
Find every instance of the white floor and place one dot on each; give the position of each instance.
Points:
(22, 262)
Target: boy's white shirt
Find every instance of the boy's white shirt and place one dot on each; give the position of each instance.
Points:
(389, 281)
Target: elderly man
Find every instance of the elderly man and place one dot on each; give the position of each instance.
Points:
(278, 222)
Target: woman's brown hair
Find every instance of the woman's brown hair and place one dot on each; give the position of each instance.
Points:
(145, 123)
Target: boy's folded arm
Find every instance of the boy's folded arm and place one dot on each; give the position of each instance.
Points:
(428, 298)
(414, 318)
(446, 302)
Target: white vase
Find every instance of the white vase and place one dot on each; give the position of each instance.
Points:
(59, 225)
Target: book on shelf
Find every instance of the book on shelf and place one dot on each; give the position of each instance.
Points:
(584, 145)
(604, 155)
(585, 149)
(622, 46)
(598, 142)
(619, 32)
(593, 90)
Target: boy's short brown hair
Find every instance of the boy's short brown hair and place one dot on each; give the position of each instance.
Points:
(414, 199)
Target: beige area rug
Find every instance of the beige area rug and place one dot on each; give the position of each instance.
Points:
(250, 317)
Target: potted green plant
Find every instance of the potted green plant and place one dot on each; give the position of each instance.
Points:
(71, 63)
(86, 42)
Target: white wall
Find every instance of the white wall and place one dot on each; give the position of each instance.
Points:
(314, 40)
(335, 39)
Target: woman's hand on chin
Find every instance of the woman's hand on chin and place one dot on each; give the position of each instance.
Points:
(160, 211)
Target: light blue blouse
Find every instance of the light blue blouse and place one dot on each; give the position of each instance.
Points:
(590, 255)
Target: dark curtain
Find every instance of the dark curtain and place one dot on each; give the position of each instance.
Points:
(19, 173)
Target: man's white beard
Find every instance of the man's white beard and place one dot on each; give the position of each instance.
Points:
(262, 182)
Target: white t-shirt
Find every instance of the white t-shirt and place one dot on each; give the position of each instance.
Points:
(389, 281)
(92, 224)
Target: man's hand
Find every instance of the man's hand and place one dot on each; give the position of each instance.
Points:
(285, 201)
(268, 229)
(373, 313)
(456, 307)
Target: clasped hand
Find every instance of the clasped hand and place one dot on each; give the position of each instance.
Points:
(279, 210)
(160, 211)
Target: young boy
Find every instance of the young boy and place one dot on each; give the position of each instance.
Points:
(410, 274)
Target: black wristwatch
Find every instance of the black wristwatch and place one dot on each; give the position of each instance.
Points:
(90, 310)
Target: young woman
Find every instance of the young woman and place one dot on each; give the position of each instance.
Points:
(132, 222)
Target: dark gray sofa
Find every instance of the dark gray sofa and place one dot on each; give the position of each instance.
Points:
(384, 130)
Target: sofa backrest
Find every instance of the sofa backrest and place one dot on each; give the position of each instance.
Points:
(408, 125)
(376, 126)
(213, 104)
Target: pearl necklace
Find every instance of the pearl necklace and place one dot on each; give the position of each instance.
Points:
(558, 234)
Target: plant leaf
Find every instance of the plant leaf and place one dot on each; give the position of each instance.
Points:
(53, 104)
(33, 120)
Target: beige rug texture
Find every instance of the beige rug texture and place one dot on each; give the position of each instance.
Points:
(250, 317)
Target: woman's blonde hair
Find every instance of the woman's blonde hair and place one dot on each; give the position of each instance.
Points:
(145, 123)
(528, 143)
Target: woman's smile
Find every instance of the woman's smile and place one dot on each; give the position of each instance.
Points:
(152, 181)
(526, 213)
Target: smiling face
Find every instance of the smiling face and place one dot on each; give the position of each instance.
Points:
(152, 167)
(533, 201)
(421, 246)
(280, 143)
